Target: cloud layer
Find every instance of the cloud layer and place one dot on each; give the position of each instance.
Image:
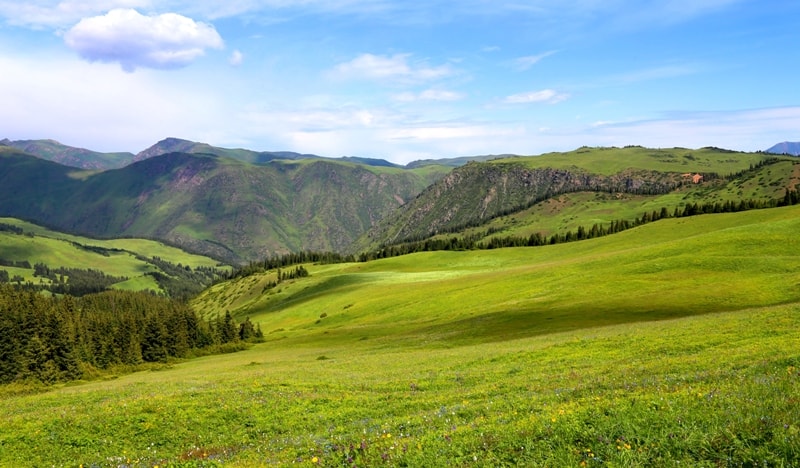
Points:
(126, 36)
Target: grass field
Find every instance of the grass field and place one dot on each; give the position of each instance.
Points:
(611, 160)
(144, 247)
(56, 249)
(672, 344)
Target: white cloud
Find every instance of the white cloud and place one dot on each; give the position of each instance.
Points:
(393, 68)
(164, 41)
(97, 107)
(57, 14)
(548, 96)
(429, 95)
(236, 58)
(524, 63)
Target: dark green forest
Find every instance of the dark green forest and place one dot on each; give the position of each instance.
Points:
(55, 339)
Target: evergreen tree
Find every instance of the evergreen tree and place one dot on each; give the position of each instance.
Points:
(153, 340)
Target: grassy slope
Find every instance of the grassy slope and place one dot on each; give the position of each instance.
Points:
(611, 160)
(666, 269)
(672, 342)
(57, 250)
(465, 199)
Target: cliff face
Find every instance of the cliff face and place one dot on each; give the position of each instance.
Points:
(477, 192)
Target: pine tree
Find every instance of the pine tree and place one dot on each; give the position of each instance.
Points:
(153, 342)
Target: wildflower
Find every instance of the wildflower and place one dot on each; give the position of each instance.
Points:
(314, 459)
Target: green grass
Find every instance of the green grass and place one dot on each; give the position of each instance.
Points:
(703, 391)
(608, 161)
(57, 249)
(146, 247)
(674, 343)
(670, 268)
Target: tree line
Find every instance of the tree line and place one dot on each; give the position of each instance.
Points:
(55, 339)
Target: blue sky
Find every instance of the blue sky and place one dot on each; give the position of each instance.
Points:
(401, 80)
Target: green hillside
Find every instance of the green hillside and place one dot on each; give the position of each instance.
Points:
(54, 151)
(232, 210)
(651, 272)
(673, 342)
(135, 264)
(556, 192)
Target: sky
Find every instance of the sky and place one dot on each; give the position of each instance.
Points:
(401, 80)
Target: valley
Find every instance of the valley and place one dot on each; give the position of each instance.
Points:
(671, 340)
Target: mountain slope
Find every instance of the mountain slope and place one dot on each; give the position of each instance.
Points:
(474, 194)
(214, 205)
(177, 145)
(52, 150)
(786, 147)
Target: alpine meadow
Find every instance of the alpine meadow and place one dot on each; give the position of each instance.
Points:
(599, 307)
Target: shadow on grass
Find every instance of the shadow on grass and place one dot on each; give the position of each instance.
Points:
(337, 284)
(516, 324)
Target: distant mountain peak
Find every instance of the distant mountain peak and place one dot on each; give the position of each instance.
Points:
(785, 147)
(167, 145)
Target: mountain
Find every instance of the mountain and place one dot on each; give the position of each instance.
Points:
(786, 147)
(216, 205)
(52, 150)
(539, 191)
(177, 145)
(238, 205)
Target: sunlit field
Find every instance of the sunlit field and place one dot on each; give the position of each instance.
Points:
(671, 344)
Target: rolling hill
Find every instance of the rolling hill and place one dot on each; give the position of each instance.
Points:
(215, 205)
(548, 193)
(37, 257)
(651, 272)
(673, 341)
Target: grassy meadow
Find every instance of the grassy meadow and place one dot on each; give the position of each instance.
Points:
(611, 160)
(57, 249)
(671, 344)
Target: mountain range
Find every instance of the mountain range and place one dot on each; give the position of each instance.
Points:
(239, 205)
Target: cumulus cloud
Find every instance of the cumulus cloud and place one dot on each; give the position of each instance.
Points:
(548, 96)
(126, 36)
(396, 67)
